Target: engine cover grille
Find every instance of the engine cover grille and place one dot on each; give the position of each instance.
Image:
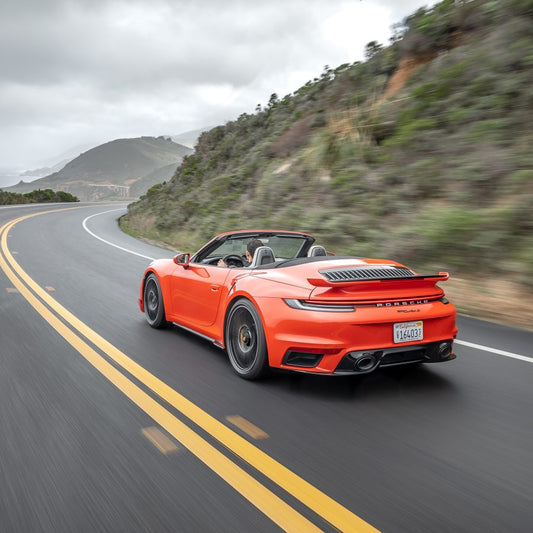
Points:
(366, 273)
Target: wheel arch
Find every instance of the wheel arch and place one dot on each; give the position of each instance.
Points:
(260, 363)
(147, 272)
(229, 305)
(162, 278)
(162, 282)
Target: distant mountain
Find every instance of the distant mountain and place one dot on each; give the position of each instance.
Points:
(66, 156)
(45, 171)
(8, 178)
(110, 170)
(189, 138)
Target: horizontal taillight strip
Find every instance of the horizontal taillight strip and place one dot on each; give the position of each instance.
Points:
(308, 306)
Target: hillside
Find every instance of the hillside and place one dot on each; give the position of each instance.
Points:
(113, 169)
(422, 153)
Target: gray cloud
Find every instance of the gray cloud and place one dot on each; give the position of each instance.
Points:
(79, 71)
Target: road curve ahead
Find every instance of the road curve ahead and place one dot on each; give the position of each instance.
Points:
(108, 425)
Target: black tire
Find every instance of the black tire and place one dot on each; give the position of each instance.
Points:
(154, 308)
(245, 340)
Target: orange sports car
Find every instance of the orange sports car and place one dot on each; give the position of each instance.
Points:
(297, 307)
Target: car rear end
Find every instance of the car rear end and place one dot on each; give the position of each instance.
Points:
(359, 316)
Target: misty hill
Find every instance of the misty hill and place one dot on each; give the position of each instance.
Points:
(422, 153)
(56, 163)
(44, 171)
(110, 170)
(67, 155)
(189, 138)
(8, 177)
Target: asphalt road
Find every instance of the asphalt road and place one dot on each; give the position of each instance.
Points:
(108, 425)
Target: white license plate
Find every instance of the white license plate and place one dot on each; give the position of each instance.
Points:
(408, 331)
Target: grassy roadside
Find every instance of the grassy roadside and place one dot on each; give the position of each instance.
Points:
(495, 300)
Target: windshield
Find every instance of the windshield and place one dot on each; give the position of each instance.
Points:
(283, 246)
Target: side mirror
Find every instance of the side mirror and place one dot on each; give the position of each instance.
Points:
(182, 260)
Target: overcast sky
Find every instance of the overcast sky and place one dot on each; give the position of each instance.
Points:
(80, 72)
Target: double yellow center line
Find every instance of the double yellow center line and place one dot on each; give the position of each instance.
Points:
(77, 333)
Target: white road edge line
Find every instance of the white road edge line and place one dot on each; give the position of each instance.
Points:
(457, 341)
(84, 223)
(495, 351)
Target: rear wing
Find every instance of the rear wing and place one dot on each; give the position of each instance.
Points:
(369, 280)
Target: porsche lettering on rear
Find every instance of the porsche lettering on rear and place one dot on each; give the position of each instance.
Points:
(398, 304)
(275, 299)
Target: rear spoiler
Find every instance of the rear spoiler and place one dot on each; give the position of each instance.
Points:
(323, 282)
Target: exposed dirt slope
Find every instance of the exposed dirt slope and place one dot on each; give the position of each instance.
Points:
(404, 71)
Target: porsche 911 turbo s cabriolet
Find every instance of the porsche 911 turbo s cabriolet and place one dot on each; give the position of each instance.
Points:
(298, 307)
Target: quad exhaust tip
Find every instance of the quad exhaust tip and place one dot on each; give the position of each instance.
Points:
(445, 350)
(366, 361)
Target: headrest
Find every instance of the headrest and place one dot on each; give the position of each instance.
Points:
(262, 256)
(316, 250)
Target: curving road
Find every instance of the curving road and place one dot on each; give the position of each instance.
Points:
(108, 425)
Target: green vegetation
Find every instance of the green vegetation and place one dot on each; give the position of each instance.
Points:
(438, 174)
(36, 197)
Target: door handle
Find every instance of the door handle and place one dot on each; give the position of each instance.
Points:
(215, 288)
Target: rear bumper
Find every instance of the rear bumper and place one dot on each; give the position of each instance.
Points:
(334, 342)
(362, 362)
